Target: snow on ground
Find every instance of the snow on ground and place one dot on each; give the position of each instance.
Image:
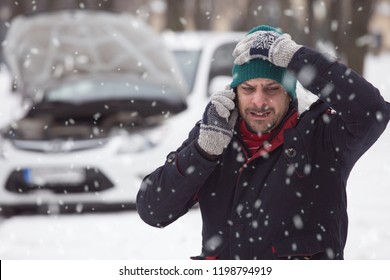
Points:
(123, 235)
(369, 183)
(117, 236)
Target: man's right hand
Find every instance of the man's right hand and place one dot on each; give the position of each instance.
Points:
(219, 118)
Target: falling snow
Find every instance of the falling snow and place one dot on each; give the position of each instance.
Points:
(124, 236)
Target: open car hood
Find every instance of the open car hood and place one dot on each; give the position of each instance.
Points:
(87, 73)
(43, 49)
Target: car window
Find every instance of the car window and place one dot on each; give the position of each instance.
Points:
(222, 61)
(188, 62)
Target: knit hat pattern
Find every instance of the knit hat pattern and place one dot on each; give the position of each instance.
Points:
(261, 68)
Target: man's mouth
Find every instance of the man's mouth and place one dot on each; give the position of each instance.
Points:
(259, 115)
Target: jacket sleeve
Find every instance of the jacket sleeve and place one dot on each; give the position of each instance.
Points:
(363, 112)
(170, 191)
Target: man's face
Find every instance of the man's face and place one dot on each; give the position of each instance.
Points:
(262, 103)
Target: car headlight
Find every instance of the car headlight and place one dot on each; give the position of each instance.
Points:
(136, 142)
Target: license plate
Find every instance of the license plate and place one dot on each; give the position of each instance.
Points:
(42, 176)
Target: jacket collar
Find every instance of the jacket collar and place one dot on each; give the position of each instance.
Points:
(277, 139)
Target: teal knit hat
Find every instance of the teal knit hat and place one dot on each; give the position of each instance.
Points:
(261, 68)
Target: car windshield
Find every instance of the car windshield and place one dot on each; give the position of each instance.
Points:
(92, 90)
(188, 62)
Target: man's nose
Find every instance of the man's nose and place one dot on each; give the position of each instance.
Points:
(260, 99)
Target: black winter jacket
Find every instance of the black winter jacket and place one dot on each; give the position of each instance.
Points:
(290, 203)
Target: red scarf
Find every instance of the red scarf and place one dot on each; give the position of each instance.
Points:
(259, 145)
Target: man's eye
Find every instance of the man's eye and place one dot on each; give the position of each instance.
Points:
(273, 89)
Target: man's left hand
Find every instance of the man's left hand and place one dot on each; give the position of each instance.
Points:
(270, 45)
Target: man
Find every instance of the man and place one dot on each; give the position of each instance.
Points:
(271, 183)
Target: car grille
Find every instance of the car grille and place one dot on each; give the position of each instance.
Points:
(58, 145)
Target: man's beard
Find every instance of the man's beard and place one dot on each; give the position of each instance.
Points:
(259, 127)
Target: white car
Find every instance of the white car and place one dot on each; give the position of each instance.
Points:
(86, 173)
(96, 89)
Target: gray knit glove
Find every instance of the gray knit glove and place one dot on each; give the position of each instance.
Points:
(270, 45)
(219, 118)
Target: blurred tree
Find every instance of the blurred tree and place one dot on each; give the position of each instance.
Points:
(345, 26)
(255, 14)
(288, 21)
(310, 39)
(335, 24)
(250, 13)
(203, 13)
(36, 6)
(354, 46)
(258, 12)
(175, 15)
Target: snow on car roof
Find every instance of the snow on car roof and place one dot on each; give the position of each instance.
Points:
(44, 48)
